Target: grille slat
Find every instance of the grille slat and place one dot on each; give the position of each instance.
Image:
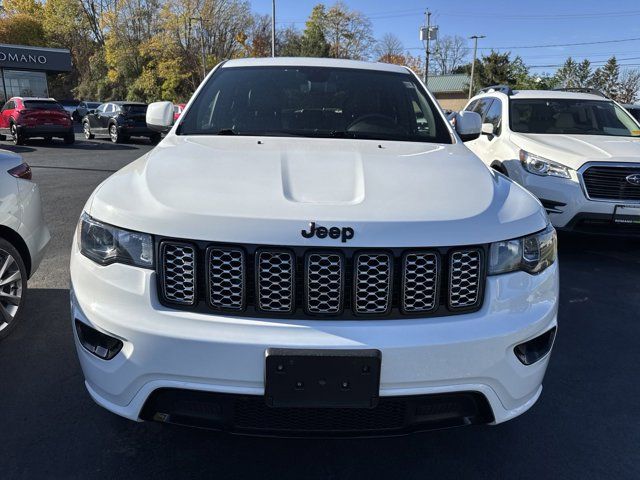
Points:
(420, 282)
(325, 283)
(247, 280)
(275, 281)
(179, 275)
(373, 279)
(226, 276)
(464, 278)
(609, 183)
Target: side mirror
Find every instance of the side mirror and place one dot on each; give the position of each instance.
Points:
(487, 129)
(468, 125)
(160, 116)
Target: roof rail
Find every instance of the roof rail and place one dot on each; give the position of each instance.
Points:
(592, 91)
(506, 89)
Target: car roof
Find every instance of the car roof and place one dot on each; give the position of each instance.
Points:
(34, 98)
(313, 62)
(123, 102)
(544, 94)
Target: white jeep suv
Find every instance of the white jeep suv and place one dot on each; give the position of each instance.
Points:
(579, 153)
(313, 250)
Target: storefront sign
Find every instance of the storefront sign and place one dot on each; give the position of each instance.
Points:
(35, 58)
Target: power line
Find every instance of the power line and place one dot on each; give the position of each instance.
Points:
(553, 45)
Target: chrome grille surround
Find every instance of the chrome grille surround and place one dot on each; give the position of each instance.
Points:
(373, 276)
(275, 280)
(324, 283)
(226, 278)
(420, 279)
(178, 262)
(465, 273)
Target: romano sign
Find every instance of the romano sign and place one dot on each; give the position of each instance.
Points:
(35, 58)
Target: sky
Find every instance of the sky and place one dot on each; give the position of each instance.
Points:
(546, 26)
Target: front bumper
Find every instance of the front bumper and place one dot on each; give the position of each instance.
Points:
(165, 348)
(567, 206)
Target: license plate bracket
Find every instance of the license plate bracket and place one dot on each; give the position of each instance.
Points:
(627, 215)
(322, 378)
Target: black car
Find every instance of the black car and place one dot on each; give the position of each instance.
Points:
(119, 120)
(83, 108)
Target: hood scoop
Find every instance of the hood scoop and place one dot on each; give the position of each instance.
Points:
(335, 179)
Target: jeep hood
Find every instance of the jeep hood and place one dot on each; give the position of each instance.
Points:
(265, 190)
(576, 150)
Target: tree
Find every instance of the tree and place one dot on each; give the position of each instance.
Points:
(567, 75)
(629, 86)
(449, 52)
(583, 74)
(314, 42)
(607, 78)
(22, 29)
(289, 42)
(348, 32)
(388, 48)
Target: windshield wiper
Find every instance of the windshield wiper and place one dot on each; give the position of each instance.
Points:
(226, 131)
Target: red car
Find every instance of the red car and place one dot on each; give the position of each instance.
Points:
(26, 117)
(177, 110)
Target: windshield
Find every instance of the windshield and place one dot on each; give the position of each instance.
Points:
(134, 109)
(315, 102)
(93, 104)
(571, 117)
(42, 105)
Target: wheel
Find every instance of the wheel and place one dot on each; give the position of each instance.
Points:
(155, 138)
(16, 136)
(13, 287)
(69, 139)
(115, 136)
(48, 139)
(87, 131)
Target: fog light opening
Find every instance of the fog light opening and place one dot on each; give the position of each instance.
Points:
(99, 344)
(533, 350)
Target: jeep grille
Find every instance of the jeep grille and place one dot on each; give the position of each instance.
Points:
(252, 280)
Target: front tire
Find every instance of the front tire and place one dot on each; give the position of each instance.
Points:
(13, 287)
(17, 137)
(87, 131)
(155, 138)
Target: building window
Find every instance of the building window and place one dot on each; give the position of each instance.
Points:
(19, 83)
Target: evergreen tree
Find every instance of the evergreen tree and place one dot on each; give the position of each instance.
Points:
(583, 74)
(567, 75)
(314, 42)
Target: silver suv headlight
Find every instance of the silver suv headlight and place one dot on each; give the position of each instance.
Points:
(542, 166)
(533, 253)
(106, 244)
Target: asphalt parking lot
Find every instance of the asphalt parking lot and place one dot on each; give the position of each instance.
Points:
(586, 425)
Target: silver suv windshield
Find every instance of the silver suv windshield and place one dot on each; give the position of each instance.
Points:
(315, 102)
(571, 117)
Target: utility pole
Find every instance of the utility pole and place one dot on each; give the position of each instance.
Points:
(202, 52)
(426, 67)
(273, 28)
(473, 64)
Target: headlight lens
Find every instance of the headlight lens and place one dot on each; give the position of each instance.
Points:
(532, 254)
(541, 166)
(106, 244)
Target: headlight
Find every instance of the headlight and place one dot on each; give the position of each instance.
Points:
(106, 244)
(541, 166)
(532, 254)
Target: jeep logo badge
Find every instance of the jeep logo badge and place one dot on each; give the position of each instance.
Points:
(633, 179)
(344, 233)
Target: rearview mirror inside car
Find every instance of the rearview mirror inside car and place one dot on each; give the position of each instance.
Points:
(468, 125)
(160, 116)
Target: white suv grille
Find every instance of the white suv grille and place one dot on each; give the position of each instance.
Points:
(275, 281)
(179, 284)
(325, 283)
(420, 282)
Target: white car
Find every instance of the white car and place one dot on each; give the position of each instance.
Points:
(579, 153)
(23, 237)
(313, 250)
